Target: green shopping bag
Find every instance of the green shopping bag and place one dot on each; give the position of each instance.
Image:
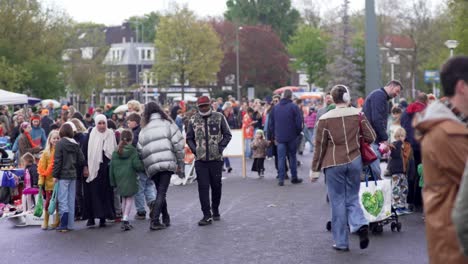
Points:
(39, 205)
(53, 200)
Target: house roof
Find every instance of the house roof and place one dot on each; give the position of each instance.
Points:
(116, 34)
(396, 42)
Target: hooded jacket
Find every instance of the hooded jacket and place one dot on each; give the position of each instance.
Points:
(123, 171)
(67, 159)
(444, 145)
(286, 121)
(161, 146)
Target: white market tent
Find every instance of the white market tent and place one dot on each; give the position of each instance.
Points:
(10, 98)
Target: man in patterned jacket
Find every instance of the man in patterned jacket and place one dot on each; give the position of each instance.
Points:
(208, 134)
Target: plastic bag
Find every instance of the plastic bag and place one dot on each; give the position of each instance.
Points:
(38, 210)
(53, 200)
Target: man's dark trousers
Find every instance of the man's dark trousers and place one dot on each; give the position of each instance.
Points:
(209, 175)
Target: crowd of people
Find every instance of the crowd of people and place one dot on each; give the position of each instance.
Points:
(105, 164)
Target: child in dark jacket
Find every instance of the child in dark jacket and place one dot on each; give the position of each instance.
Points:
(259, 147)
(398, 166)
(124, 166)
(68, 158)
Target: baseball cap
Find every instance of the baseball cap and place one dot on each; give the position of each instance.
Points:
(203, 100)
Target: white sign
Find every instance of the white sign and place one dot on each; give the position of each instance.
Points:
(235, 148)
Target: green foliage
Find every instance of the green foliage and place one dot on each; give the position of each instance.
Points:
(279, 14)
(188, 49)
(85, 75)
(459, 13)
(308, 47)
(12, 77)
(31, 43)
(149, 23)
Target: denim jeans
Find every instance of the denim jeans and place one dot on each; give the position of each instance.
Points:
(227, 162)
(248, 150)
(311, 139)
(66, 200)
(375, 166)
(287, 149)
(343, 182)
(146, 190)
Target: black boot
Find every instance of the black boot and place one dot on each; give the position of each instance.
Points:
(216, 215)
(363, 233)
(206, 220)
(102, 222)
(166, 219)
(156, 225)
(90, 222)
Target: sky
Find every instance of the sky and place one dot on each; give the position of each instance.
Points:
(114, 12)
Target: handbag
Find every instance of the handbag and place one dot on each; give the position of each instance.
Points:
(38, 210)
(53, 200)
(367, 153)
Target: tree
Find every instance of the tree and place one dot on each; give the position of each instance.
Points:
(279, 14)
(145, 26)
(263, 61)
(85, 73)
(459, 13)
(187, 49)
(343, 69)
(32, 39)
(308, 48)
(12, 77)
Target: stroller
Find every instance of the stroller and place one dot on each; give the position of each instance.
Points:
(376, 227)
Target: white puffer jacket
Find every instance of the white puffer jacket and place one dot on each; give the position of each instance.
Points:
(161, 146)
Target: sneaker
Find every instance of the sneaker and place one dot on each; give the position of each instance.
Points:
(400, 211)
(140, 216)
(216, 217)
(206, 220)
(229, 170)
(126, 226)
(406, 211)
(363, 233)
(296, 181)
(340, 249)
(280, 183)
(156, 225)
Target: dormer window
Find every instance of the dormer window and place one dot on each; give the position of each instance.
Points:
(116, 54)
(146, 53)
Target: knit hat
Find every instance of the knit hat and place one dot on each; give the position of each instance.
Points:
(24, 125)
(45, 111)
(35, 117)
(259, 131)
(203, 100)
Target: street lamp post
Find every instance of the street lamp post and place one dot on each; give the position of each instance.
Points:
(451, 44)
(237, 63)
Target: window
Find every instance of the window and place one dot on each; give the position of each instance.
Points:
(116, 54)
(146, 53)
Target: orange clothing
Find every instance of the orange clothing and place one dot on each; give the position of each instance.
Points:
(247, 127)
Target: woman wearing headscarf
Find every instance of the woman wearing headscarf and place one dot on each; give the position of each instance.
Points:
(98, 194)
(337, 152)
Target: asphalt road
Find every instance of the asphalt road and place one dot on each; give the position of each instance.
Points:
(261, 223)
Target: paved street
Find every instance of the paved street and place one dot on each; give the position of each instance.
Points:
(261, 223)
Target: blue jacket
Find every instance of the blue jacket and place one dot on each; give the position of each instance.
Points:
(376, 110)
(286, 121)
